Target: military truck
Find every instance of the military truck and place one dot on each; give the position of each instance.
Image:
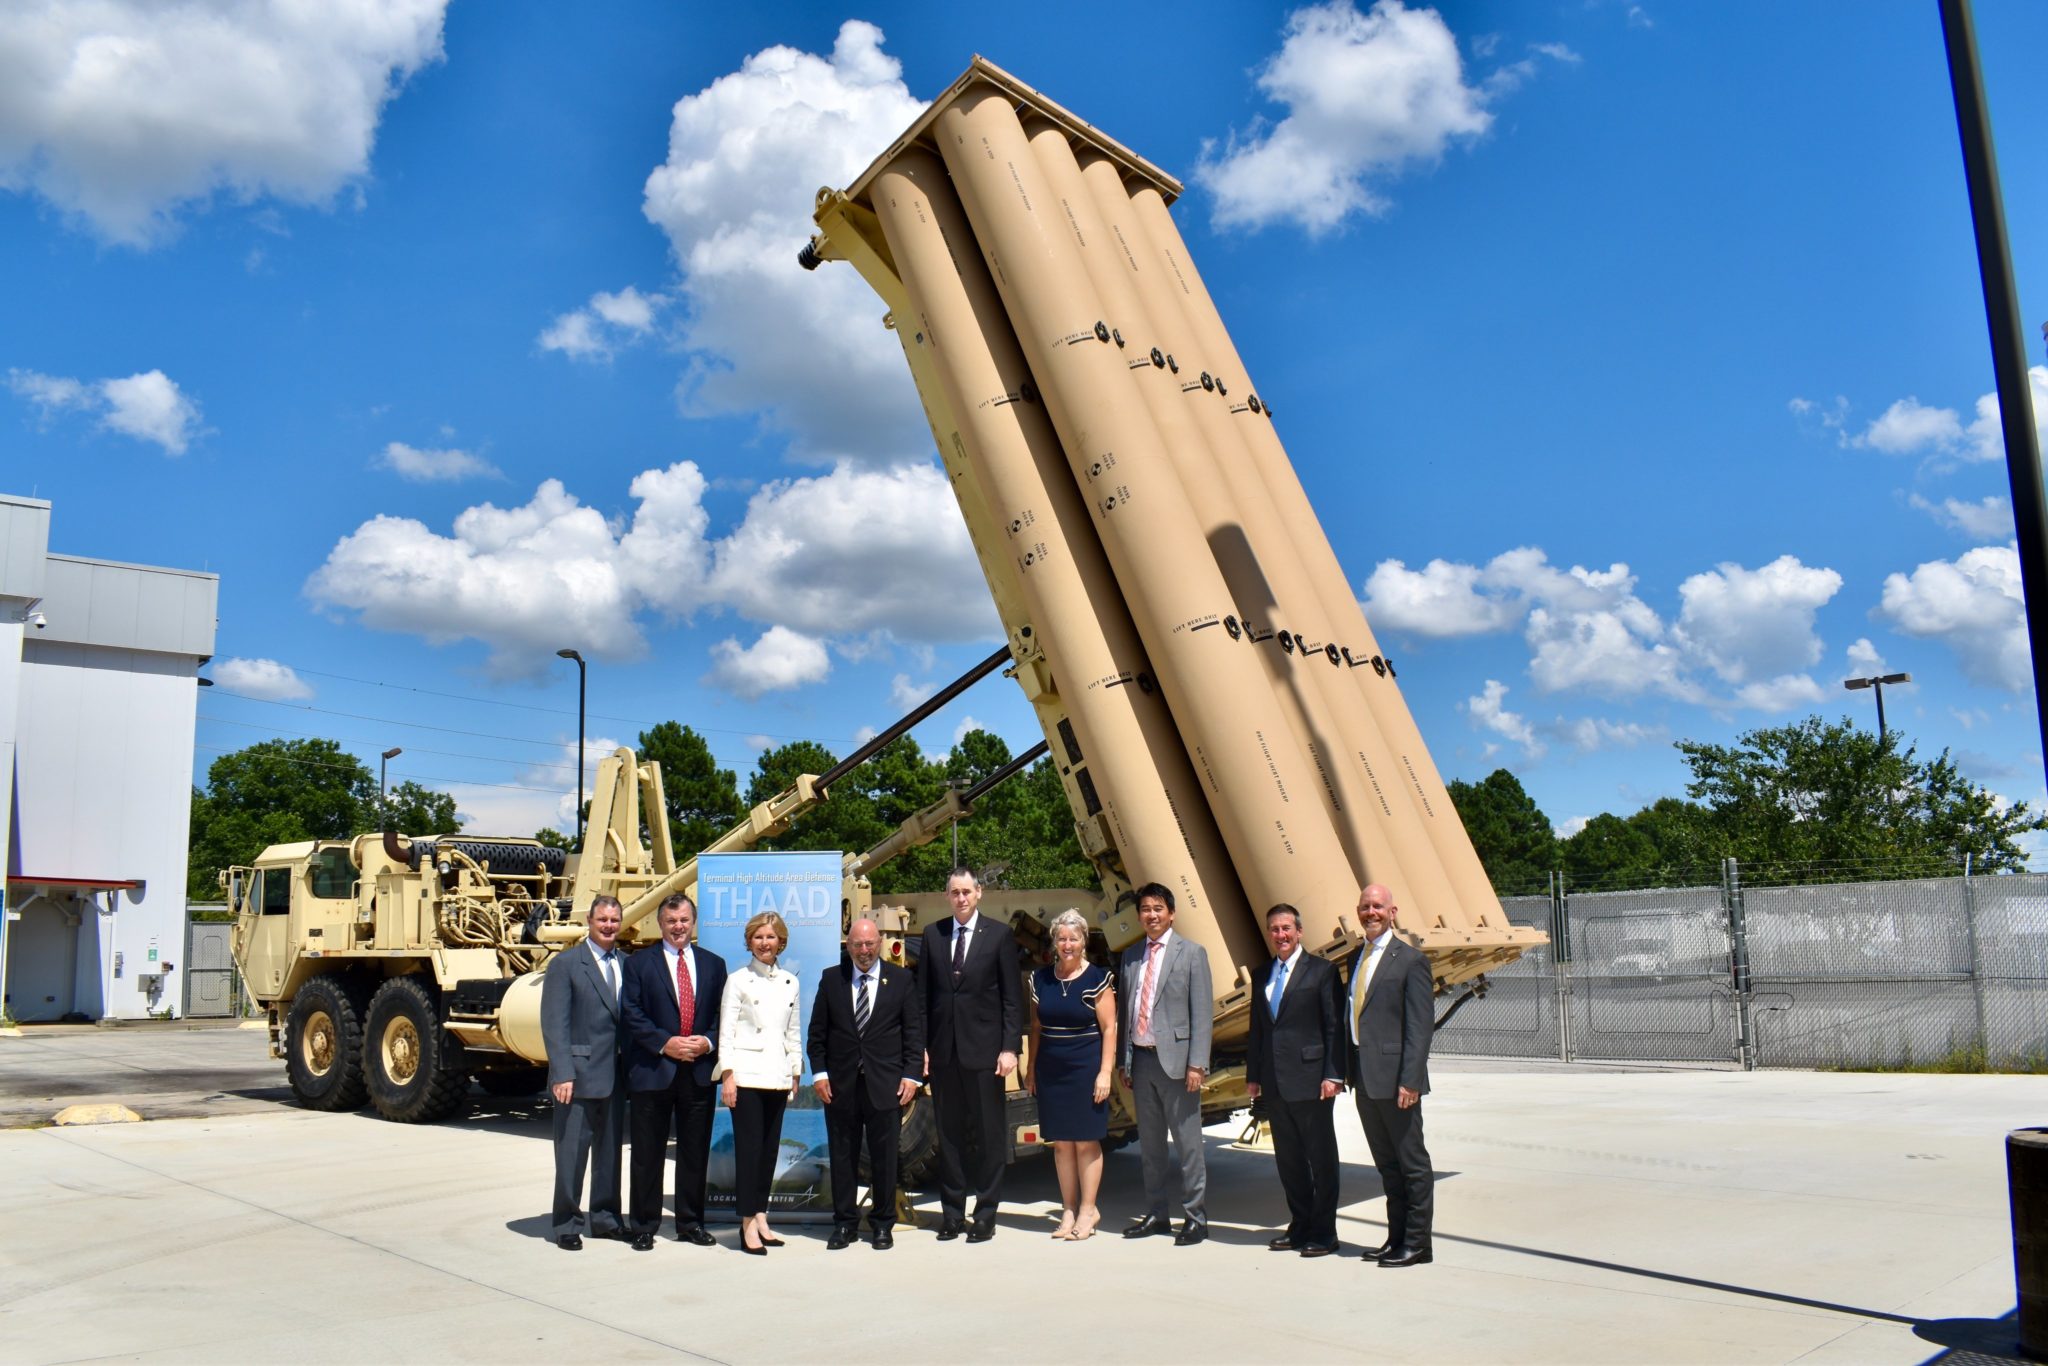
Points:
(1219, 712)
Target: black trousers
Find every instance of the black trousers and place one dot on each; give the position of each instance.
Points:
(972, 1151)
(1395, 1137)
(756, 1144)
(1305, 1147)
(848, 1122)
(588, 1133)
(684, 1109)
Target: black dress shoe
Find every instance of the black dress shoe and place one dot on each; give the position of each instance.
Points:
(1190, 1234)
(695, 1234)
(1318, 1249)
(614, 1235)
(643, 1242)
(981, 1232)
(1373, 1254)
(841, 1238)
(884, 1240)
(770, 1242)
(1284, 1243)
(950, 1230)
(1407, 1256)
(570, 1242)
(1150, 1225)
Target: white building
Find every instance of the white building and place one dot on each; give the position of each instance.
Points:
(98, 702)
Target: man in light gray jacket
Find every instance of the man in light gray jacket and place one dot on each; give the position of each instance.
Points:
(1167, 1009)
(579, 1025)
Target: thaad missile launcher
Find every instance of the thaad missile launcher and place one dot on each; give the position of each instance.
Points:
(1218, 710)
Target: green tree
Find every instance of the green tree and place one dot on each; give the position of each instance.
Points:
(1668, 843)
(1816, 792)
(273, 792)
(414, 810)
(553, 838)
(1514, 839)
(703, 800)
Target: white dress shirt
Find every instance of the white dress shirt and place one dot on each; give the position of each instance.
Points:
(613, 973)
(1363, 983)
(669, 956)
(1150, 1003)
(1293, 962)
(873, 977)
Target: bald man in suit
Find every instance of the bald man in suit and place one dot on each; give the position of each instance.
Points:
(1393, 1014)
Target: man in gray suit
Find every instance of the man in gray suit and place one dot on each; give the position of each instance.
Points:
(1393, 1014)
(1167, 1009)
(579, 1025)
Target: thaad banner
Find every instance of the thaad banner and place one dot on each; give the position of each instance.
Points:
(802, 888)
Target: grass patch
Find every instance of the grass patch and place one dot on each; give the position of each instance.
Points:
(1970, 1057)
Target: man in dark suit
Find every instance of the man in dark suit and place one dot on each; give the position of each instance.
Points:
(670, 1006)
(1393, 1014)
(1164, 1037)
(867, 1056)
(1295, 1062)
(974, 1018)
(579, 1026)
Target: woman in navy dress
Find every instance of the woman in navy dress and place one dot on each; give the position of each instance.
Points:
(1073, 1048)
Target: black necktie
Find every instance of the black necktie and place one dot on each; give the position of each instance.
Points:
(959, 951)
(861, 1005)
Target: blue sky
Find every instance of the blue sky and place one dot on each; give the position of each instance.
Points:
(1632, 353)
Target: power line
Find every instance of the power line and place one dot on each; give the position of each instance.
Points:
(443, 753)
(549, 711)
(418, 777)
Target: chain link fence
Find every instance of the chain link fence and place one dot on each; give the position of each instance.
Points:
(1894, 973)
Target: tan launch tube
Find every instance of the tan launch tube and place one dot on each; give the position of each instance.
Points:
(1258, 783)
(1269, 591)
(1277, 597)
(1424, 786)
(1141, 774)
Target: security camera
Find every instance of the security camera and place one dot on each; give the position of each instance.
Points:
(39, 621)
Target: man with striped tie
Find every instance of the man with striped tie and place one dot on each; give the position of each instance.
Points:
(866, 1047)
(670, 1005)
(579, 1025)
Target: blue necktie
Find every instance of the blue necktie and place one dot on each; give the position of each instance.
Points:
(1279, 985)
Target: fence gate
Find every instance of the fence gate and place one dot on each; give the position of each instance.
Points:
(1648, 976)
(209, 971)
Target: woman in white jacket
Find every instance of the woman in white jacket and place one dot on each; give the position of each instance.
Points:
(761, 1061)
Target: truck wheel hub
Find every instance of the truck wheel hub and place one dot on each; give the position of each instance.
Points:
(401, 1051)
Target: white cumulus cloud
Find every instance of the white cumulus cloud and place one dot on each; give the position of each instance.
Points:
(1489, 711)
(427, 466)
(1864, 659)
(779, 660)
(803, 350)
(605, 325)
(1365, 96)
(147, 406)
(1987, 519)
(1972, 604)
(1752, 623)
(1590, 733)
(905, 694)
(121, 112)
(262, 678)
(1440, 599)
(849, 553)
(1910, 427)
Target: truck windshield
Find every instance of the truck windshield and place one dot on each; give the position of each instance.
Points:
(334, 876)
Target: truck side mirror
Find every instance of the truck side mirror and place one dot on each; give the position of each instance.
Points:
(235, 892)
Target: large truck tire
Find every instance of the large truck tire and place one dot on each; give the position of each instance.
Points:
(513, 1081)
(323, 1045)
(416, 1070)
(917, 1143)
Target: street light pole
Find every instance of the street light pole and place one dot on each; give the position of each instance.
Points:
(384, 797)
(582, 680)
(1876, 684)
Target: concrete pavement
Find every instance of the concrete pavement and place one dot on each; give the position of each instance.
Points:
(1679, 1216)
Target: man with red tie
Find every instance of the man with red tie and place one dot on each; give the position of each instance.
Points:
(670, 1007)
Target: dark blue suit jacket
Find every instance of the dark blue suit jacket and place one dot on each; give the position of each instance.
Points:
(647, 1005)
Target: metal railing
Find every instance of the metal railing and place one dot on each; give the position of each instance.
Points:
(1877, 973)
